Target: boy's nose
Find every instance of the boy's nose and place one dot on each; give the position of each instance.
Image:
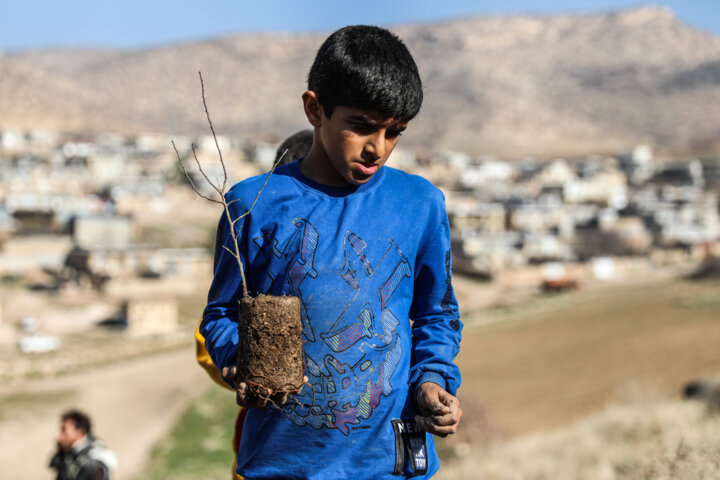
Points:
(376, 146)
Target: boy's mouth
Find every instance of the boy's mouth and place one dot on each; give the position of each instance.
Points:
(367, 168)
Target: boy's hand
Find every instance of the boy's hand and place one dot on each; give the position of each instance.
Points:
(440, 412)
(247, 400)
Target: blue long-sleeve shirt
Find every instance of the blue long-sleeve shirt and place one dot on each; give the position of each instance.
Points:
(371, 265)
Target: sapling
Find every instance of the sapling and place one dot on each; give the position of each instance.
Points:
(270, 357)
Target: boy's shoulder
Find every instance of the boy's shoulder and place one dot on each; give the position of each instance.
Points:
(400, 185)
(411, 184)
(252, 185)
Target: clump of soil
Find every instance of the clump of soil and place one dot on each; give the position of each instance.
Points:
(270, 357)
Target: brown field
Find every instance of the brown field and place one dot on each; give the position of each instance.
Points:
(550, 361)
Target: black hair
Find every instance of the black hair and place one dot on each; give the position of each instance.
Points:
(81, 421)
(366, 67)
(297, 145)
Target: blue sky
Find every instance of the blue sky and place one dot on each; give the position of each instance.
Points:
(28, 24)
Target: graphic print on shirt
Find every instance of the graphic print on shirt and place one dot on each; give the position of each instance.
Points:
(349, 360)
(301, 248)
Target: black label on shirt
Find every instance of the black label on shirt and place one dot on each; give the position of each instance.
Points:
(411, 454)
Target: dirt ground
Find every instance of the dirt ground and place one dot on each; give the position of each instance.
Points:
(132, 404)
(557, 358)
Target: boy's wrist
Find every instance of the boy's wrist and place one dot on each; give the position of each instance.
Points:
(432, 377)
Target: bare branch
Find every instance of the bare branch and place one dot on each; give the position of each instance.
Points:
(231, 252)
(212, 129)
(222, 190)
(266, 179)
(189, 178)
(262, 188)
(207, 179)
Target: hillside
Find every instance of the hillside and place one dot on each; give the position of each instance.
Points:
(506, 85)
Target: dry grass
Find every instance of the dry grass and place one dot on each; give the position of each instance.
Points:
(644, 441)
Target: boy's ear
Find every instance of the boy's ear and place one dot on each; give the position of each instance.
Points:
(313, 109)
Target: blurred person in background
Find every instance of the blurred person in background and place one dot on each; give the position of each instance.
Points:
(80, 456)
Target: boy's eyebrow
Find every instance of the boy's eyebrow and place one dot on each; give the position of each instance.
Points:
(369, 121)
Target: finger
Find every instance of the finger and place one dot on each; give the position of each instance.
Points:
(438, 409)
(425, 424)
(229, 373)
(444, 431)
(453, 405)
(241, 394)
(444, 420)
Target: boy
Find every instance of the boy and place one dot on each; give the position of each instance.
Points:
(366, 248)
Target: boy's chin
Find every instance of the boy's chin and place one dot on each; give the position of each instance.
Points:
(358, 179)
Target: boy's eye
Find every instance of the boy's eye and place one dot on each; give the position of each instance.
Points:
(363, 128)
(393, 133)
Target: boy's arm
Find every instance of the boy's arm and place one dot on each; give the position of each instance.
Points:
(204, 360)
(219, 324)
(436, 324)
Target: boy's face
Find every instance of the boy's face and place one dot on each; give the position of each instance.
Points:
(351, 145)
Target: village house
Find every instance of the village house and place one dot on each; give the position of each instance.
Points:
(605, 188)
(486, 254)
(545, 247)
(486, 173)
(11, 142)
(102, 230)
(689, 223)
(478, 217)
(545, 214)
(638, 165)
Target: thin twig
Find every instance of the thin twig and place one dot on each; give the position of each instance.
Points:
(212, 129)
(230, 251)
(189, 178)
(261, 189)
(207, 179)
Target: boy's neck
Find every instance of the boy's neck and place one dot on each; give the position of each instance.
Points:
(317, 167)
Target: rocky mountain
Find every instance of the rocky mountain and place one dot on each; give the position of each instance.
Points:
(503, 85)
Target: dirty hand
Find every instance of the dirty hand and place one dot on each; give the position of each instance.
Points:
(248, 400)
(440, 412)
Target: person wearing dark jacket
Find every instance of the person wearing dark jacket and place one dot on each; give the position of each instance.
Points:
(80, 456)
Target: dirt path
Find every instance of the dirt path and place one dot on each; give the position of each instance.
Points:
(132, 404)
